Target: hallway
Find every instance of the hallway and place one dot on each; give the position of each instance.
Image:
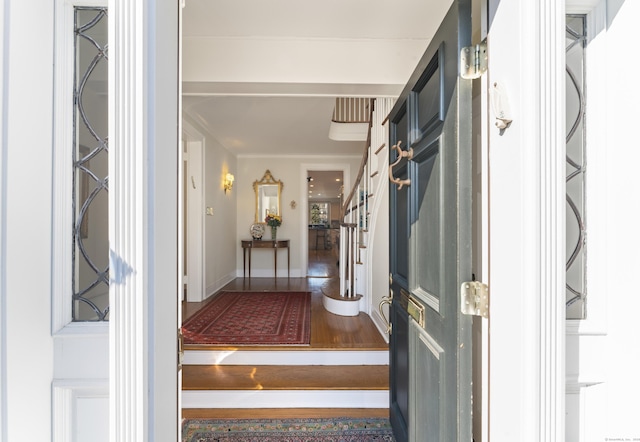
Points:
(327, 330)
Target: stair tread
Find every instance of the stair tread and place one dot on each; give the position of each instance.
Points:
(281, 377)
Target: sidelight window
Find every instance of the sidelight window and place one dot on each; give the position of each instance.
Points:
(90, 158)
(576, 252)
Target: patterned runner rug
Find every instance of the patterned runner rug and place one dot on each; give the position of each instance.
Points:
(252, 318)
(291, 430)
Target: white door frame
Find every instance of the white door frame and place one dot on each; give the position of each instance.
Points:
(526, 216)
(527, 230)
(304, 204)
(144, 135)
(195, 215)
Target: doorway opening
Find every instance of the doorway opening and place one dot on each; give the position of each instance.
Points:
(325, 192)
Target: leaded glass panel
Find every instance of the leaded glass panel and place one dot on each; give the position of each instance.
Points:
(576, 252)
(90, 167)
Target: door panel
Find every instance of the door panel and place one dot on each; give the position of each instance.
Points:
(428, 95)
(430, 223)
(426, 403)
(428, 233)
(400, 266)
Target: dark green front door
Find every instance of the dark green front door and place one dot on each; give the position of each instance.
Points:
(430, 244)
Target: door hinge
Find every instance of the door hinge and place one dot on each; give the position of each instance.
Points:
(180, 349)
(473, 61)
(474, 298)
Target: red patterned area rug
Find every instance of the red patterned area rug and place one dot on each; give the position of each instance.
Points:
(289, 430)
(252, 318)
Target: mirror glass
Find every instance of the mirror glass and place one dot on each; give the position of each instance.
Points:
(267, 191)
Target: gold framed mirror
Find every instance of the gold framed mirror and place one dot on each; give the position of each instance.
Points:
(267, 191)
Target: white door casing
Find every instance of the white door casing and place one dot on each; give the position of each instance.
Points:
(140, 262)
(81, 350)
(480, 129)
(195, 283)
(586, 339)
(144, 133)
(25, 219)
(526, 216)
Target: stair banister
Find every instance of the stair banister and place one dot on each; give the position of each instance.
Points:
(350, 227)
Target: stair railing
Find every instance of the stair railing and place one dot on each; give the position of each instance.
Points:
(354, 221)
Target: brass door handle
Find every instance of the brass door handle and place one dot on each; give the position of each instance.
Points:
(401, 154)
(386, 300)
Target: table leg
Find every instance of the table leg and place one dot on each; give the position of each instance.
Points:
(249, 263)
(244, 262)
(288, 264)
(275, 262)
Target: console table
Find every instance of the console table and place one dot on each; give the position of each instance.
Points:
(248, 245)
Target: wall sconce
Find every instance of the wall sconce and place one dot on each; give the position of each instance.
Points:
(228, 182)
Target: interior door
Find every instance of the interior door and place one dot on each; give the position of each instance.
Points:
(430, 244)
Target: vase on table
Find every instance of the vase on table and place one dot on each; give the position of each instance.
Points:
(274, 232)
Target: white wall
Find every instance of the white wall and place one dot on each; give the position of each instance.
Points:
(294, 221)
(379, 259)
(378, 236)
(220, 229)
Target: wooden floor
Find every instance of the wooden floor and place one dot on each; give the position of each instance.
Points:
(328, 331)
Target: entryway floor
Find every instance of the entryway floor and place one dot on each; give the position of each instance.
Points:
(328, 331)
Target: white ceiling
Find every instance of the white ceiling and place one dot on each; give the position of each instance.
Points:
(336, 19)
(324, 185)
(262, 75)
(259, 125)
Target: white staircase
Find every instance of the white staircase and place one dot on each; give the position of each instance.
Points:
(363, 208)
